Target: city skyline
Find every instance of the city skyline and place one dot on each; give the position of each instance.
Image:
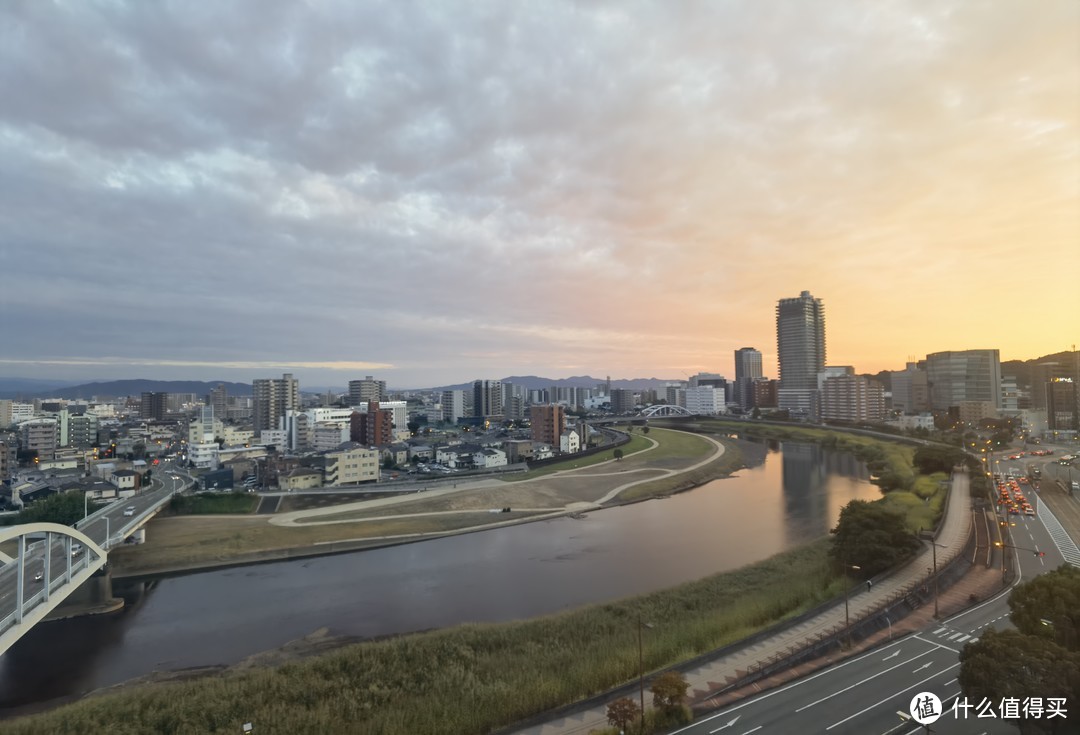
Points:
(434, 196)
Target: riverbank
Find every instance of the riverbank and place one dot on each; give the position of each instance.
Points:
(667, 462)
(466, 679)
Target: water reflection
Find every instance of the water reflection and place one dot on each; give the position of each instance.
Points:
(792, 494)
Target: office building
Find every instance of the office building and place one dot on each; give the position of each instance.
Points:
(967, 375)
(1061, 413)
(705, 400)
(800, 349)
(547, 423)
(622, 401)
(368, 389)
(271, 398)
(154, 406)
(218, 399)
(910, 389)
(747, 368)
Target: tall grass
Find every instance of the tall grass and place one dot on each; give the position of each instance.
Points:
(467, 679)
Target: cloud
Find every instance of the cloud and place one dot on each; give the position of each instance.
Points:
(446, 186)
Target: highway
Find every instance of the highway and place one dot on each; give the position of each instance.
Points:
(864, 695)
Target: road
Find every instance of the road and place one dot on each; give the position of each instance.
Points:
(864, 695)
(107, 527)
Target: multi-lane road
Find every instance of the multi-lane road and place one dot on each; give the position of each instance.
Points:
(871, 694)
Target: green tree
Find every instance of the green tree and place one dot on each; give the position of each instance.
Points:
(622, 712)
(413, 427)
(929, 460)
(669, 690)
(1011, 665)
(618, 454)
(1048, 607)
(756, 413)
(871, 537)
(645, 430)
(62, 508)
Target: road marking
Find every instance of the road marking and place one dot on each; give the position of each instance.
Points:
(924, 666)
(954, 636)
(725, 727)
(963, 639)
(938, 631)
(883, 671)
(935, 643)
(894, 654)
(765, 696)
(754, 730)
(894, 694)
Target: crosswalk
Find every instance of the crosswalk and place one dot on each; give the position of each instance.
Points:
(951, 635)
(1061, 539)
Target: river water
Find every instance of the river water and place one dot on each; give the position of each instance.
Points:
(793, 495)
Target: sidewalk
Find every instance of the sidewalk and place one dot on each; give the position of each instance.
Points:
(709, 680)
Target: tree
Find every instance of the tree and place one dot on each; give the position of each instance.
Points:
(756, 413)
(413, 427)
(622, 712)
(1048, 607)
(62, 508)
(929, 460)
(1010, 664)
(618, 454)
(871, 537)
(645, 430)
(669, 690)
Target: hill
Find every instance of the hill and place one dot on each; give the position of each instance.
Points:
(117, 388)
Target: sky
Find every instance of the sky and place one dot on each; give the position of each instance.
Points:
(434, 192)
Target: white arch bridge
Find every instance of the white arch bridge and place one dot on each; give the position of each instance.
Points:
(664, 410)
(51, 563)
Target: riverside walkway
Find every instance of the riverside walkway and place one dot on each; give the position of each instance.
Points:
(714, 676)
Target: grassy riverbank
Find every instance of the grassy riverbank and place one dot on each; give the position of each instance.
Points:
(467, 679)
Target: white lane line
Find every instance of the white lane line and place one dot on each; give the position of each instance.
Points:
(894, 694)
(938, 631)
(798, 683)
(954, 636)
(883, 671)
(935, 643)
(963, 639)
(754, 730)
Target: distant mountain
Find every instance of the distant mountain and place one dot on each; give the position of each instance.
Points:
(534, 382)
(117, 388)
(19, 387)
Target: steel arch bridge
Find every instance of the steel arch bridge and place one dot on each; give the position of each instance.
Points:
(660, 411)
(49, 566)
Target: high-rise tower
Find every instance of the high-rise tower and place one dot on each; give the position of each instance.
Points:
(747, 367)
(272, 398)
(800, 349)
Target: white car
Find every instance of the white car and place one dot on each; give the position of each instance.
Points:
(76, 549)
(39, 576)
(130, 510)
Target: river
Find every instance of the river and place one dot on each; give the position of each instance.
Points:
(219, 617)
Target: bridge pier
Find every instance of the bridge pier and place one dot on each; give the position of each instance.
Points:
(92, 597)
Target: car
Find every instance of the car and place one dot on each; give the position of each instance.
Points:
(76, 549)
(130, 510)
(39, 576)
(1029, 511)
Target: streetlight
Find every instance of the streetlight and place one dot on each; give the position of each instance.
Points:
(641, 667)
(847, 592)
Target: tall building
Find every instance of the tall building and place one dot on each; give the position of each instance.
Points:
(271, 398)
(800, 349)
(368, 389)
(705, 400)
(453, 405)
(374, 428)
(218, 399)
(1061, 414)
(622, 401)
(154, 406)
(910, 389)
(966, 375)
(849, 397)
(547, 423)
(747, 367)
(487, 399)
